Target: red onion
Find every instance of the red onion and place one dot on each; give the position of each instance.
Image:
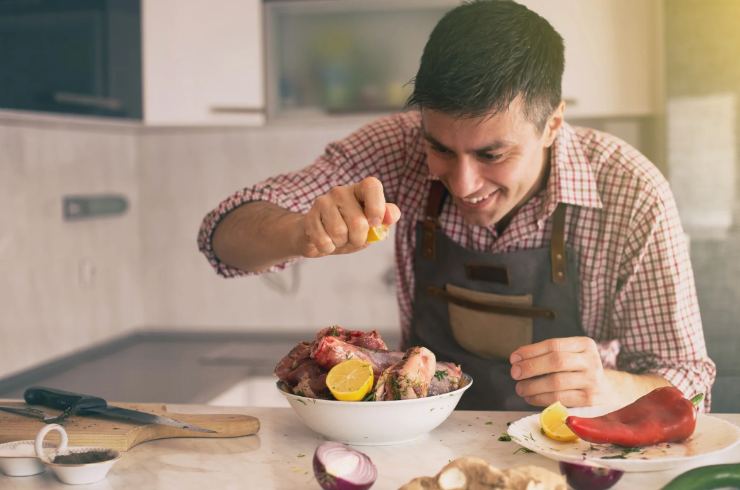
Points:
(588, 477)
(339, 467)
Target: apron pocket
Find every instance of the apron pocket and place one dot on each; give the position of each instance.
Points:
(490, 325)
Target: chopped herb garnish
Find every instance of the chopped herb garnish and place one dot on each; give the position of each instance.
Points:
(395, 387)
(440, 374)
(301, 455)
(624, 453)
(523, 450)
(370, 397)
(504, 438)
(489, 423)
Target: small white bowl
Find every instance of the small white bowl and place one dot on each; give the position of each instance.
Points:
(375, 423)
(73, 474)
(18, 458)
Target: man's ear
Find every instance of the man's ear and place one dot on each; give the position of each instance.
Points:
(553, 124)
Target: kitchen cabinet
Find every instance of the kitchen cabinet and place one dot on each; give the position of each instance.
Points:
(330, 57)
(72, 56)
(613, 55)
(202, 62)
(164, 62)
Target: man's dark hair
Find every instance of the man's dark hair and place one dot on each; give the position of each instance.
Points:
(483, 54)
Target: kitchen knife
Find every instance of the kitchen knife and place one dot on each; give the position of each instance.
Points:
(82, 404)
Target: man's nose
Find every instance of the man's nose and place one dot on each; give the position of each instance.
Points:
(464, 179)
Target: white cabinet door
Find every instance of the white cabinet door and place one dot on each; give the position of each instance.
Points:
(202, 62)
(613, 61)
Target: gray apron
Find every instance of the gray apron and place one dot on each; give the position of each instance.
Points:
(476, 308)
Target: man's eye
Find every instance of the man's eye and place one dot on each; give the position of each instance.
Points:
(440, 149)
(490, 157)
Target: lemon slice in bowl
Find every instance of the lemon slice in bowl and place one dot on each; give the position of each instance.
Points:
(350, 380)
(552, 421)
(377, 233)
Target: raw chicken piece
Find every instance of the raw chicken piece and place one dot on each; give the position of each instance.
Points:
(408, 378)
(309, 379)
(296, 356)
(301, 373)
(369, 340)
(330, 351)
(447, 377)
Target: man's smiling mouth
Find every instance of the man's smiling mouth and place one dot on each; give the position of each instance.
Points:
(478, 200)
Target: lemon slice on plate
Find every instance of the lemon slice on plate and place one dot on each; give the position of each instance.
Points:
(377, 233)
(552, 421)
(350, 380)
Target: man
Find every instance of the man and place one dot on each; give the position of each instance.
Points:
(547, 260)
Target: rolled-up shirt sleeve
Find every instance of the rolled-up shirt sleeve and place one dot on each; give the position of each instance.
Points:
(656, 313)
(373, 150)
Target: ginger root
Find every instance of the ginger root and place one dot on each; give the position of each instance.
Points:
(470, 473)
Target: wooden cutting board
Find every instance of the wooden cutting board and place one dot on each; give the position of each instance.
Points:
(122, 435)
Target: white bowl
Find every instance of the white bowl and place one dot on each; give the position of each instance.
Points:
(18, 458)
(375, 423)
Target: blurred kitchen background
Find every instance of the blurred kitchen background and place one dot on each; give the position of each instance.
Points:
(122, 122)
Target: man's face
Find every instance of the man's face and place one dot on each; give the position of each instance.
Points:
(491, 165)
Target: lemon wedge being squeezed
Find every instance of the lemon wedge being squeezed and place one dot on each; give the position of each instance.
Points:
(377, 233)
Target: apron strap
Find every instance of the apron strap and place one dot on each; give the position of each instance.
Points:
(437, 194)
(557, 245)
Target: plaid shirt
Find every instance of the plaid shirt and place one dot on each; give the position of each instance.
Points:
(637, 294)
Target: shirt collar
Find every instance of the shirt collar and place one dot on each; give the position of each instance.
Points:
(571, 179)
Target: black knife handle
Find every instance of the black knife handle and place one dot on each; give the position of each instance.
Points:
(54, 398)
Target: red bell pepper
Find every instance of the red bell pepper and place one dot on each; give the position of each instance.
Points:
(663, 415)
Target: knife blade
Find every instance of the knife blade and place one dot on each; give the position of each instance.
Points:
(36, 414)
(82, 404)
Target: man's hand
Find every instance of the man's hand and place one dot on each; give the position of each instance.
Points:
(338, 221)
(569, 370)
(565, 369)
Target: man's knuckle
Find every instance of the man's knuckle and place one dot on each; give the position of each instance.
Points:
(559, 361)
(337, 232)
(325, 245)
(359, 223)
(588, 397)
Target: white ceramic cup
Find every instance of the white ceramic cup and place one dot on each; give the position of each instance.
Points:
(73, 474)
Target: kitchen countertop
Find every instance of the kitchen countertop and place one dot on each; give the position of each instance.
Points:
(280, 456)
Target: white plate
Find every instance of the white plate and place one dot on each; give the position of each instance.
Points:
(711, 436)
